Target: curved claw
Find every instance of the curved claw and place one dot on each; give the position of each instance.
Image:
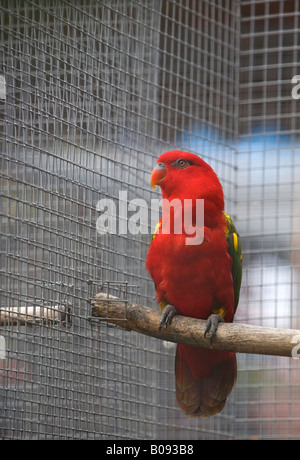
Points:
(212, 326)
(167, 316)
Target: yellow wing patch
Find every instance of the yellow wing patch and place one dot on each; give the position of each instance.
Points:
(235, 241)
(156, 230)
(230, 229)
(228, 219)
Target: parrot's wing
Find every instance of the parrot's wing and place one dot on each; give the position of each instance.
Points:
(156, 230)
(235, 252)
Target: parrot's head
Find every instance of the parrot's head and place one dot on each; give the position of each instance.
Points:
(185, 175)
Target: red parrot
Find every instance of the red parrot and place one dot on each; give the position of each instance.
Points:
(200, 279)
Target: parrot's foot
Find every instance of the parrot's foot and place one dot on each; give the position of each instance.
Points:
(212, 325)
(167, 316)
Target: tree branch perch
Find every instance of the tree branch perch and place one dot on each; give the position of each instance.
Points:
(239, 338)
(30, 315)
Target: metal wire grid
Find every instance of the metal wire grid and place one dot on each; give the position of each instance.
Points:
(95, 91)
(84, 119)
(268, 212)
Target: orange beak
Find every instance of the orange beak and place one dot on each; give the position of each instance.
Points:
(158, 174)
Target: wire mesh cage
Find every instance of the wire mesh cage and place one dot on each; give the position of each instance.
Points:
(91, 93)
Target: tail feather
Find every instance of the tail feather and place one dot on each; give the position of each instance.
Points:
(204, 379)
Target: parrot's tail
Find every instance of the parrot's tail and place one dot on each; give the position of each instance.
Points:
(204, 379)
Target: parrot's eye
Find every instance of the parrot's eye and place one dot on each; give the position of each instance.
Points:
(181, 163)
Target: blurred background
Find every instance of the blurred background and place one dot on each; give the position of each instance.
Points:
(91, 93)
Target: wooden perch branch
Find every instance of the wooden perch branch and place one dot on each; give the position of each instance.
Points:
(240, 338)
(29, 314)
